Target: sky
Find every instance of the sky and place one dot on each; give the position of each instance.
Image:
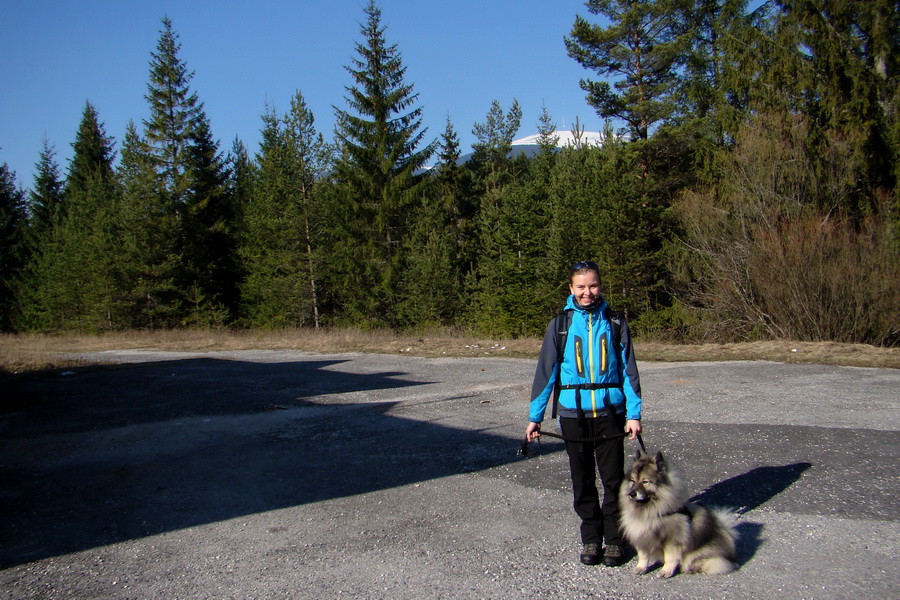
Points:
(459, 55)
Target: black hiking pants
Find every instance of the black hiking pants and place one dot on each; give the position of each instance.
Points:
(599, 514)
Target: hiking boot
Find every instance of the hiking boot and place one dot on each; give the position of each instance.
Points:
(613, 556)
(590, 554)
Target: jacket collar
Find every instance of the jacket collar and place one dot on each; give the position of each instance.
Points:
(598, 309)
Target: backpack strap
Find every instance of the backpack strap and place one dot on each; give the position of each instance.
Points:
(561, 324)
(615, 330)
(615, 326)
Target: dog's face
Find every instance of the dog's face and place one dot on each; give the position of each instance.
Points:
(647, 475)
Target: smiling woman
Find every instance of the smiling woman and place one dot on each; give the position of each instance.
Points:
(584, 283)
(587, 364)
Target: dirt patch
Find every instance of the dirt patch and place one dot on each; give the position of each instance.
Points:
(30, 352)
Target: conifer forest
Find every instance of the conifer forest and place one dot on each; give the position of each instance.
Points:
(746, 188)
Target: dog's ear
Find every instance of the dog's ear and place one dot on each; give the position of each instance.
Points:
(637, 454)
(660, 461)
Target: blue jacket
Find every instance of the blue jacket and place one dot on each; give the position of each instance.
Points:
(596, 363)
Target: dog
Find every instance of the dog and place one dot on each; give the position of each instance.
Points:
(660, 524)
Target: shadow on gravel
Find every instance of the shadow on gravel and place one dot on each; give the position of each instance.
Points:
(746, 492)
(749, 540)
(114, 454)
(752, 489)
(106, 397)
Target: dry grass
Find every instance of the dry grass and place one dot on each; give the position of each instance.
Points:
(23, 353)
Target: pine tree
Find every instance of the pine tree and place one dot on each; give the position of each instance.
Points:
(711, 93)
(380, 155)
(458, 201)
(439, 247)
(494, 138)
(149, 251)
(193, 181)
(71, 272)
(548, 139)
(175, 113)
(845, 61)
(281, 243)
(208, 237)
(641, 49)
(501, 248)
(46, 196)
(13, 222)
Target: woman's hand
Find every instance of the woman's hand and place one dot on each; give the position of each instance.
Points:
(632, 428)
(533, 431)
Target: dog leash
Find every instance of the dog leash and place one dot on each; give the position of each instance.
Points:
(523, 449)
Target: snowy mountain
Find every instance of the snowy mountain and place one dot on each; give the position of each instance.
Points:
(529, 145)
(565, 139)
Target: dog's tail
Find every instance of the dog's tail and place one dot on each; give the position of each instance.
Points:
(727, 518)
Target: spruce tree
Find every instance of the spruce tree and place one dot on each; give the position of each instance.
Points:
(501, 249)
(439, 246)
(452, 187)
(541, 170)
(193, 182)
(712, 90)
(548, 138)
(45, 204)
(46, 196)
(73, 265)
(89, 228)
(208, 237)
(380, 141)
(282, 224)
(240, 182)
(149, 251)
(175, 112)
(92, 154)
(844, 61)
(13, 222)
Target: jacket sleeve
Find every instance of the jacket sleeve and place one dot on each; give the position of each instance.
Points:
(544, 375)
(631, 381)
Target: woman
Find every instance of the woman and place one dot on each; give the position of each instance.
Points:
(599, 398)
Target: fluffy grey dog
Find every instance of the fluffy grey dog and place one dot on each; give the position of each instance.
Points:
(661, 525)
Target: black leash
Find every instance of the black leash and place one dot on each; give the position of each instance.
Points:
(523, 449)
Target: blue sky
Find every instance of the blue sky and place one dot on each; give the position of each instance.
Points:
(460, 56)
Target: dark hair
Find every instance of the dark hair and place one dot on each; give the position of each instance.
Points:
(583, 266)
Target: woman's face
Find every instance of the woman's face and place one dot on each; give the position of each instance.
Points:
(585, 287)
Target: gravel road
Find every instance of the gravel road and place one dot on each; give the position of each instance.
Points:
(280, 474)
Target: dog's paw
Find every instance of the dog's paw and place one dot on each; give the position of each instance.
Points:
(640, 569)
(667, 572)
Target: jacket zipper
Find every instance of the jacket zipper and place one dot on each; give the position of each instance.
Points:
(591, 361)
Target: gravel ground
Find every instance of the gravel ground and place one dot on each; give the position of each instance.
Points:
(279, 474)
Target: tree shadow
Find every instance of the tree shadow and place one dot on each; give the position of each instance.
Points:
(109, 396)
(121, 453)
